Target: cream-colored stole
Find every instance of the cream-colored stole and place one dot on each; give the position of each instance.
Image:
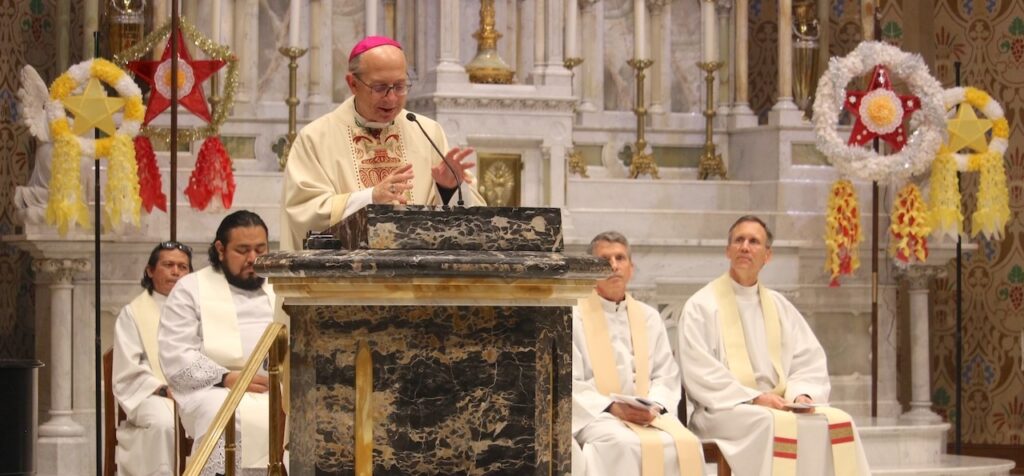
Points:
(599, 347)
(222, 343)
(146, 315)
(784, 447)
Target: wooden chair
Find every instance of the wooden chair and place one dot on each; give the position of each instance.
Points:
(711, 450)
(183, 444)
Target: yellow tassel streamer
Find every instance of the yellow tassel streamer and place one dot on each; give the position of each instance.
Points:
(909, 227)
(993, 210)
(65, 207)
(123, 204)
(842, 231)
(944, 214)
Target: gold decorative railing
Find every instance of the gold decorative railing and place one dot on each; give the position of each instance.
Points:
(275, 343)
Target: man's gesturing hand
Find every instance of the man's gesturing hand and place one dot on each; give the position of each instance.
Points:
(443, 176)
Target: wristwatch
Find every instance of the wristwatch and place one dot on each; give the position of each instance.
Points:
(162, 391)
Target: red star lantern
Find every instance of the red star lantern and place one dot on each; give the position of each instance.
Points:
(191, 74)
(880, 112)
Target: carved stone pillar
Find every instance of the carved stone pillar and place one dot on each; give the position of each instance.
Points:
(320, 14)
(62, 441)
(592, 17)
(918, 278)
(449, 68)
(785, 111)
(247, 20)
(661, 80)
(723, 11)
(372, 15)
(742, 115)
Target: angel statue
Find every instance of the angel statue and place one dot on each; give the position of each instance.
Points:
(30, 199)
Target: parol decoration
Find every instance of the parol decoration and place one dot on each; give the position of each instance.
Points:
(912, 125)
(213, 175)
(93, 108)
(881, 115)
(967, 131)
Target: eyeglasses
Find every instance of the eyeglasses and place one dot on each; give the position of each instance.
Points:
(174, 245)
(400, 89)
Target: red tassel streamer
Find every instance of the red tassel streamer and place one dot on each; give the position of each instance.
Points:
(151, 189)
(212, 177)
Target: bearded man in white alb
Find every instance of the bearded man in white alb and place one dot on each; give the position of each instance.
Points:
(145, 440)
(369, 151)
(756, 374)
(210, 324)
(620, 347)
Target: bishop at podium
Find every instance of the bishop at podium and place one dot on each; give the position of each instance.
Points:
(370, 150)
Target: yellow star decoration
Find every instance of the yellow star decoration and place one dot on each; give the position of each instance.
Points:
(93, 109)
(968, 131)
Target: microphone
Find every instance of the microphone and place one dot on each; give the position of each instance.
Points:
(458, 180)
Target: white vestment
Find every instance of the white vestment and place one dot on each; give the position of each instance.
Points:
(744, 432)
(191, 371)
(609, 447)
(145, 440)
(334, 164)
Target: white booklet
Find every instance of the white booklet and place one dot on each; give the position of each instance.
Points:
(636, 402)
(803, 406)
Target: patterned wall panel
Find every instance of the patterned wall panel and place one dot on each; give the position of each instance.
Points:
(988, 38)
(27, 36)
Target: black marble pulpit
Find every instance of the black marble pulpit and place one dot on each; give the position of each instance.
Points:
(448, 330)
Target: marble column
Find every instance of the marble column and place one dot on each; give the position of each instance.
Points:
(90, 24)
(449, 67)
(63, 40)
(247, 34)
(661, 75)
(372, 17)
(320, 70)
(723, 9)
(62, 440)
(918, 279)
(785, 111)
(742, 115)
(592, 69)
(555, 72)
(539, 50)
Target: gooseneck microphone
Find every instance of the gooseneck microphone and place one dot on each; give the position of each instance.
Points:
(458, 180)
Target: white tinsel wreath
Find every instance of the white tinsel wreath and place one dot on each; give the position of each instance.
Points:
(929, 123)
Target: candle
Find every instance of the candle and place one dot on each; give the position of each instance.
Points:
(216, 20)
(572, 11)
(293, 25)
(707, 13)
(639, 30)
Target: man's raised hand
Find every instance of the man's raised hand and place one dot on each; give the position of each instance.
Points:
(392, 188)
(455, 158)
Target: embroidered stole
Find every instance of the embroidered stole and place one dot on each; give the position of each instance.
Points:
(599, 347)
(222, 343)
(784, 445)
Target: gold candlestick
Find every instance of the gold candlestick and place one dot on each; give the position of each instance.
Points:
(643, 163)
(710, 162)
(284, 144)
(487, 66)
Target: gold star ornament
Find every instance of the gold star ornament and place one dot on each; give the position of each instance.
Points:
(93, 109)
(967, 131)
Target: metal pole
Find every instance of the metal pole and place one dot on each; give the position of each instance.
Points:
(175, 24)
(958, 335)
(97, 345)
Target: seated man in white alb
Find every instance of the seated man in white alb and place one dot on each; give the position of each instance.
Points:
(210, 324)
(755, 373)
(620, 347)
(145, 440)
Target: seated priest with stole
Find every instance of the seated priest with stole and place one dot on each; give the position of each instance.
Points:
(625, 386)
(757, 376)
(369, 150)
(210, 324)
(145, 440)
